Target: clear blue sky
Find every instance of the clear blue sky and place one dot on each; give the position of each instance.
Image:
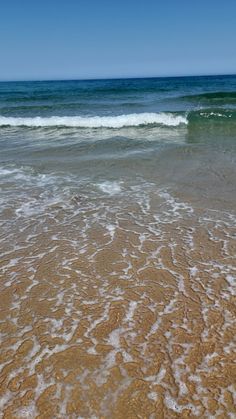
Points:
(53, 39)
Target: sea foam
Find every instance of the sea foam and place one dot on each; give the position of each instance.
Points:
(110, 188)
(129, 120)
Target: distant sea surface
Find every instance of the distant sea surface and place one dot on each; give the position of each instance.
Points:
(117, 230)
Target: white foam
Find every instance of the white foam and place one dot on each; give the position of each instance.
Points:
(232, 283)
(26, 412)
(131, 310)
(111, 228)
(153, 396)
(157, 379)
(114, 338)
(7, 172)
(119, 121)
(110, 188)
(193, 271)
(172, 404)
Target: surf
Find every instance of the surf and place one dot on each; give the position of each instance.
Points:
(119, 121)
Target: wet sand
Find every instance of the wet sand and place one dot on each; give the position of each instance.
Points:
(118, 307)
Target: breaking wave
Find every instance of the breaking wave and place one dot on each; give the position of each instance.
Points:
(130, 120)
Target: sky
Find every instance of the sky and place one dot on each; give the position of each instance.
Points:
(82, 39)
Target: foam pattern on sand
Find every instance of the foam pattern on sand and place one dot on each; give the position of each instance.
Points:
(117, 300)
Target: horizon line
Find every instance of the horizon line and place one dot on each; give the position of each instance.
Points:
(116, 78)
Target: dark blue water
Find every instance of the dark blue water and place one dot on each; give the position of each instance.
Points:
(116, 97)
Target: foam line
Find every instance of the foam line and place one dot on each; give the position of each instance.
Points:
(130, 120)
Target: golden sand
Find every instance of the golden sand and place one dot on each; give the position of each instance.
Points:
(139, 323)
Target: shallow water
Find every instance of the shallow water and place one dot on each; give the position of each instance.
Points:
(118, 249)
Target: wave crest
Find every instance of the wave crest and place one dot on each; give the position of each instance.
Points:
(130, 120)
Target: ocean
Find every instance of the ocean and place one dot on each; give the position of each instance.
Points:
(117, 236)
